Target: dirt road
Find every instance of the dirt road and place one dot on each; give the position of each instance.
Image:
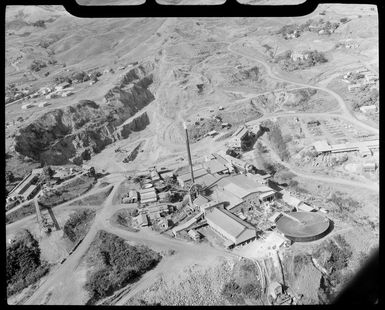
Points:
(345, 108)
(64, 286)
(372, 186)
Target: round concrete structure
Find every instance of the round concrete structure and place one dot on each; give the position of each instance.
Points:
(303, 226)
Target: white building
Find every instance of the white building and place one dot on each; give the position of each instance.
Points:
(368, 109)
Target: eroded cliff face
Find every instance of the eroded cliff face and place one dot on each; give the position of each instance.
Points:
(76, 133)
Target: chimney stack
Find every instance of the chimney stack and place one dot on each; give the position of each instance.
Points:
(188, 153)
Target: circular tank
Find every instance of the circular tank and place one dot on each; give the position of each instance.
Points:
(303, 226)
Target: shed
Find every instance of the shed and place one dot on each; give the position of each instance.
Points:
(369, 167)
(302, 206)
(215, 166)
(27, 106)
(194, 234)
(43, 104)
(322, 146)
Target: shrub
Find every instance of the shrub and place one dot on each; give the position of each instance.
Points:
(9, 177)
(276, 139)
(121, 263)
(232, 292)
(39, 23)
(20, 213)
(37, 65)
(252, 290)
(76, 227)
(23, 264)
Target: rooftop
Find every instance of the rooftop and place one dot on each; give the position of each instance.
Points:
(197, 173)
(200, 200)
(228, 222)
(215, 166)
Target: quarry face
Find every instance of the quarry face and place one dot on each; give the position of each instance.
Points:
(279, 116)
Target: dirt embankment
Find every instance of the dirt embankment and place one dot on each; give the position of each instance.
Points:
(75, 133)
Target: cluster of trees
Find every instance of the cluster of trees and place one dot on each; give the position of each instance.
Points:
(121, 264)
(344, 205)
(9, 177)
(37, 65)
(244, 284)
(20, 213)
(80, 76)
(61, 79)
(365, 96)
(77, 226)
(203, 127)
(39, 23)
(335, 259)
(277, 141)
(23, 264)
(310, 59)
(249, 74)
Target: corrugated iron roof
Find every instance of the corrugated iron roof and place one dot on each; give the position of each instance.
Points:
(228, 222)
(215, 166)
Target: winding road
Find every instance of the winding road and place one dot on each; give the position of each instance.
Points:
(346, 110)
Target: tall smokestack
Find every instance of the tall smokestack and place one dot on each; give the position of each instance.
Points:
(188, 152)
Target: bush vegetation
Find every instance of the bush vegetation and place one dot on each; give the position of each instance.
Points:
(310, 59)
(67, 192)
(344, 205)
(20, 213)
(23, 264)
(244, 283)
(124, 218)
(334, 256)
(39, 23)
(277, 141)
(78, 224)
(37, 65)
(94, 199)
(365, 96)
(119, 264)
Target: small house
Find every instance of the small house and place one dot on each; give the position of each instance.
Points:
(368, 109)
(27, 106)
(43, 104)
(369, 167)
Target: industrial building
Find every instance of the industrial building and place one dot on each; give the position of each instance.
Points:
(215, 166)
(142, 220)
(232, 228)
(324, 147)
(236, 188)
(148, 195)
(238, 137)
(194, 234)
(27, 188)
(184, 178)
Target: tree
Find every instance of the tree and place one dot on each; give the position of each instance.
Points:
(37, 65)
(9, 177)
(39, 23)
(46, 175)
